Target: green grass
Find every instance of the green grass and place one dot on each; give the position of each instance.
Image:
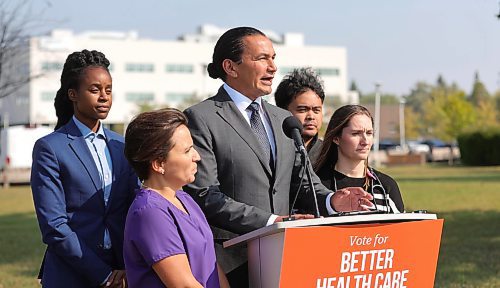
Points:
(21, 249)
(467, 198)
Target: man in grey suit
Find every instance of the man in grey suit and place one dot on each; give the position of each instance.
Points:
(248, 166)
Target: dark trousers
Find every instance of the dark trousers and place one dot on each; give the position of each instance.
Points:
(238, 278)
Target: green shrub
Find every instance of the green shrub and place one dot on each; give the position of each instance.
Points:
(480, 148)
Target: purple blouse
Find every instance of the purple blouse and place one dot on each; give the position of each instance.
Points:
(155, 229)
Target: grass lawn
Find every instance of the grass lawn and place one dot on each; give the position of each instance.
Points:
(21, 247)
(467, 198)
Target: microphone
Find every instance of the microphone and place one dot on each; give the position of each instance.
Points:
(293, 129)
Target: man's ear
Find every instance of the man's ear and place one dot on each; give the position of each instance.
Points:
(230, 68)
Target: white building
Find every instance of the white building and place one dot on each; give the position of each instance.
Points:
(158, 73)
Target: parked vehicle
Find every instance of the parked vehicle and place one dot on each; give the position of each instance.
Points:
(441, 151)
(387, 145)
(16, 146)
(416, 147)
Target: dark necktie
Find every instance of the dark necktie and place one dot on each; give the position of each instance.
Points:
(259, 130)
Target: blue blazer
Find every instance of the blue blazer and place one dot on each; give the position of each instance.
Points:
(69, 204)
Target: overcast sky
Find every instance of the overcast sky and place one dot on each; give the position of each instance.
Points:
(393, 42)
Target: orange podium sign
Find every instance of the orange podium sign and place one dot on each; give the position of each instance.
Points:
(381, 251)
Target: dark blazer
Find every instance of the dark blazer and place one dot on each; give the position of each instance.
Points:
(314, 149)
(235, 186)
(69, 204)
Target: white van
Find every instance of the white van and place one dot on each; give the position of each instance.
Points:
(16, 146)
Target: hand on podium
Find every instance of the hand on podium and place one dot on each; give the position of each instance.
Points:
(351, 199)
(293, 217)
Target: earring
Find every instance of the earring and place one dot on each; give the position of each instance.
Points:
(162, 172)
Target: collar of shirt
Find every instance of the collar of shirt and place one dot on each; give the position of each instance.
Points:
(103, 163)
(86, 132)
(242, 102)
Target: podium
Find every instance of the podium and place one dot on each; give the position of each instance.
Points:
(376, 250)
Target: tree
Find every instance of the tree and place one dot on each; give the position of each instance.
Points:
(440, 82)
(447, 113)
(496, 100)
(414, 127)
(16, 22)
(418, 96)
(479, 93)
(354, 87)
(423, 91)
(487, 114)
(444, 111)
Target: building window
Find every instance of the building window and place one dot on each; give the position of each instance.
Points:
(286, 70)
(323, 71)
(139, 96)
(178, 97)
(22, 101)
(328, 71)
(52, 66)
(48, 96)
(179, 68)
(139, 67)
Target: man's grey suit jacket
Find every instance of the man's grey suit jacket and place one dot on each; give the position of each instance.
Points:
(235, 186)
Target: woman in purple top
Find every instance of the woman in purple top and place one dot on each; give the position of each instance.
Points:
(167, 239)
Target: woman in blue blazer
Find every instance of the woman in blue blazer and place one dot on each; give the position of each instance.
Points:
(81, 182)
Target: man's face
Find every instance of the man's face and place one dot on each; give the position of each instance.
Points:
(308, 108)
(255, 73)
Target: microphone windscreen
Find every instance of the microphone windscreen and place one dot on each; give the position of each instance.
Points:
(290, 123)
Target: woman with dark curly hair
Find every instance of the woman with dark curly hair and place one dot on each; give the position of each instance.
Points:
(82, 184)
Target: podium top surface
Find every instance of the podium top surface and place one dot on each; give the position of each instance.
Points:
(328, 221)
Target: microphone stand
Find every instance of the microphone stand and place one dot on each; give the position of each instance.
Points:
(311, 185)
(306, 163)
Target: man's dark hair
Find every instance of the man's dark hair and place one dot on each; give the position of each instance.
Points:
(149, 138)
(73, 69)
(229, 46)
(298, 82)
